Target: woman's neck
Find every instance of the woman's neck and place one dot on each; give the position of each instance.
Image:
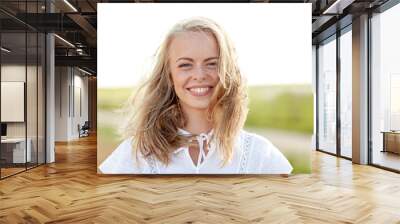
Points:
(196, 120)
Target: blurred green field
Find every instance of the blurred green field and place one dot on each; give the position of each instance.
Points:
(112, 98)
(285, 108)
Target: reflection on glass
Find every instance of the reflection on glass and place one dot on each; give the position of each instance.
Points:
(14, 151)
(31, 101)
(22, 91)
(41, 98)
(395, 102)
(386, 89)
(327, 96)
(345, 94)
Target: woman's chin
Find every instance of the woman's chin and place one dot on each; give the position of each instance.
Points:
(199, 105)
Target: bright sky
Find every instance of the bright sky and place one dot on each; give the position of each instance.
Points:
(273, 41)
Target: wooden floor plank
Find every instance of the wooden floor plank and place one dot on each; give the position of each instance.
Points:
(70, 191)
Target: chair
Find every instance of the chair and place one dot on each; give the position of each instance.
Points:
(84, 130)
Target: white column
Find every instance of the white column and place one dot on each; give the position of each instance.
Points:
(50, 110)
(360, 90)
(50, 93)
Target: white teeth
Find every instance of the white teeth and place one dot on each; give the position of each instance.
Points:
(199, 90)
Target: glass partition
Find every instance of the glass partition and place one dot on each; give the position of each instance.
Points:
(346, 93)
(31, 100)
(41, 85)
(13, 105)
(385, 89)
(327, 95)
(22, 77)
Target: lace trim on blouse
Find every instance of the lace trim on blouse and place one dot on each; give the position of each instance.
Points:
(246, 143)
(245, 154)
(152, 164)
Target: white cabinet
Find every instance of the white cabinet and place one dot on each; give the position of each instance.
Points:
(18, 149)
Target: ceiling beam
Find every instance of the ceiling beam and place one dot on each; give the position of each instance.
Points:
(84, 24)
(337, 6)
(84, 61)
(317, 25)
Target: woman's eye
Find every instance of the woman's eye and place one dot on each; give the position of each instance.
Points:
(184, 65)
(213, 64)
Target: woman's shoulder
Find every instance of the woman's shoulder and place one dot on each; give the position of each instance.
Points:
(257, 142)
(265, 156)
(121, 160)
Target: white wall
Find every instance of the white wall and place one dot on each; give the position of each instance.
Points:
(71, 94)
(33, 125)
(16, 73)
(80, 100)
(62, 81)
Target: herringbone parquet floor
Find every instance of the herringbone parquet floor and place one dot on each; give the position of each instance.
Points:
(70, 191)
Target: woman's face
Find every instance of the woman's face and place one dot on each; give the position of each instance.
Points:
(193, 61)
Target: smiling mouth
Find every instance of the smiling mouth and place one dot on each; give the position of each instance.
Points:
(200, 91)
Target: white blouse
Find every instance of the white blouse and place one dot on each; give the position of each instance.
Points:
(253, 154)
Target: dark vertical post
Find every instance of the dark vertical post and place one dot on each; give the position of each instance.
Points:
(0, 96)
(45, 88)
(369, 89)
(26, 85)
(37, 87)
(317, 96)
(338, 73)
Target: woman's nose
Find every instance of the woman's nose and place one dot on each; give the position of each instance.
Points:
(200, 73)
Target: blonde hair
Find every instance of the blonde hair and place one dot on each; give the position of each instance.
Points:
(155, 114)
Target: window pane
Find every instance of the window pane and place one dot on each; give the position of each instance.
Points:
(14, 153)
(386, 88)
(345, 94)
(327, 96)
(31, 97)
(41, 98)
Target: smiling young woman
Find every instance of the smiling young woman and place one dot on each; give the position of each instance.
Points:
(189, 115)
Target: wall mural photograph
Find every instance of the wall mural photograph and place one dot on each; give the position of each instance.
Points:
(200, 92)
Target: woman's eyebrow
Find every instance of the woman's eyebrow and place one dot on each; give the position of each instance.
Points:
(184, 58)
(211, 58)
(190, 59)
